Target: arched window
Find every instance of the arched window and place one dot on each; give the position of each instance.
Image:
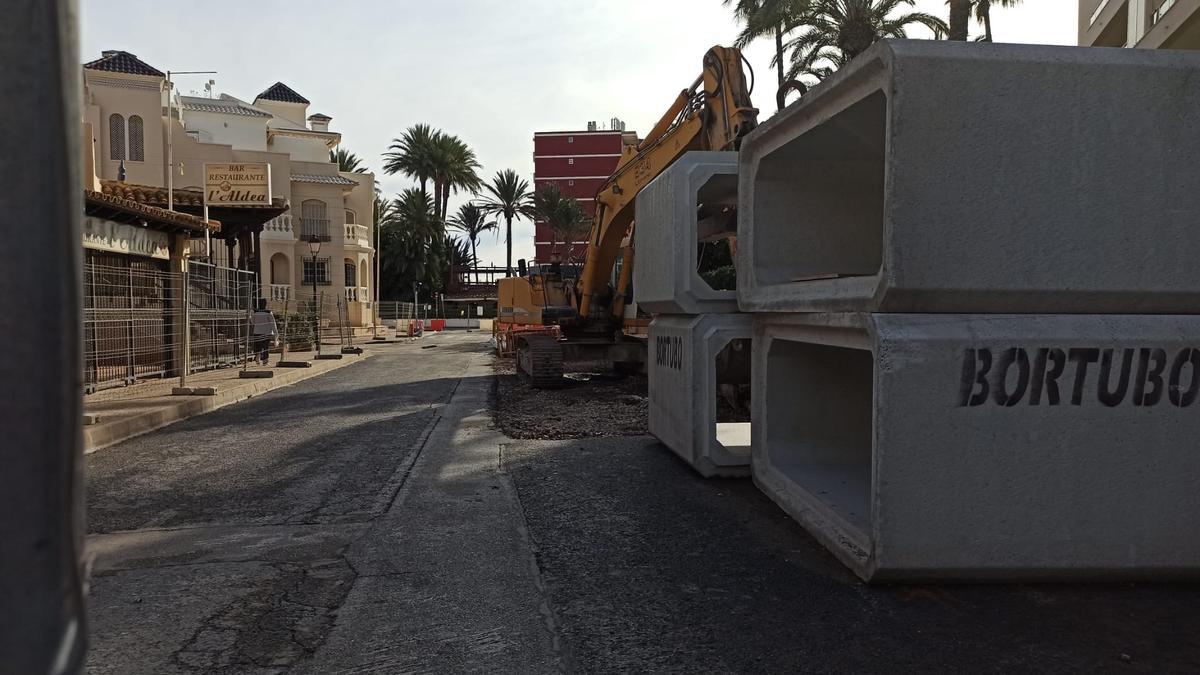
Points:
(116, 136)
(351, 274)
(313, 221)
(137, 149)
(350, 218)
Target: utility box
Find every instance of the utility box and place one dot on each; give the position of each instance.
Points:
(693, 200)
(985, 447)
(700, 375)
(930, 176)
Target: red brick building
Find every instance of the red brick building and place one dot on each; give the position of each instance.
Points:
(578, 161)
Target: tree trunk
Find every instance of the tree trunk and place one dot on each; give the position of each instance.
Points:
(960, 17)
(475, 257)
(445, 201)
(423, 191)
(508, 244)
(779, 63)
(987, 23)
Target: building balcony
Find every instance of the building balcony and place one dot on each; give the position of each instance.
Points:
(281, 292)
(357, 294)
(279, 227)
(358, 235)
(314, 227)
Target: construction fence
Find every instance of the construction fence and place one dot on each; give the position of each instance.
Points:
(135, 312)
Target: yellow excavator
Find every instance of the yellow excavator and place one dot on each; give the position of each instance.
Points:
(594, 313)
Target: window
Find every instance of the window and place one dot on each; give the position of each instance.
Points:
(137, 149)
(570, 183)
(317, 272)
(350, 217)
(351, 275)
(313, 221)
(570, 139)
(116, 136)
(571, 160)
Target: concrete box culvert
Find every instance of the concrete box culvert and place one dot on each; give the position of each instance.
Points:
(668, 229)
(686, 353)
(951, 177)
(984, 447)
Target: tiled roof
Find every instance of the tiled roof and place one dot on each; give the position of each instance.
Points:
(97, 202)
(281, 92)
(322, 178)
(319, 116)
(224, 106)
(149, 194)
(123, 62)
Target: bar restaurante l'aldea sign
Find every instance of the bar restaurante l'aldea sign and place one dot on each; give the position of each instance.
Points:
(237, 184)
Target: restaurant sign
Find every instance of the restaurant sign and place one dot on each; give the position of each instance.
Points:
(105, 235)
(237, 184)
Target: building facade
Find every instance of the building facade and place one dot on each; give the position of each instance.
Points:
(1146, 24)
(578, 162)
(134, 124)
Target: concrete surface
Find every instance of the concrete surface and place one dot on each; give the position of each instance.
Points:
(682, 373)
(985, 446)
(356, 522)
(1071, 190)
(667, 233)
(126, 412)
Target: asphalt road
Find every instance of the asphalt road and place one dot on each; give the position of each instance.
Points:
(373, 520)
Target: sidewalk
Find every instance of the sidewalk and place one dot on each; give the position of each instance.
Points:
(113, 415)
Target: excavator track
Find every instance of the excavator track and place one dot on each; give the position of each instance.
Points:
(540, 361)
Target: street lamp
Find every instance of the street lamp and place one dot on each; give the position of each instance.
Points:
(314, 247)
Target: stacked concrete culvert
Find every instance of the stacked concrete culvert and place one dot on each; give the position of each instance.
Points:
(977, 354)
(699, 351)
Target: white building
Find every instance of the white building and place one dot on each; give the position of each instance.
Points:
(126, 117)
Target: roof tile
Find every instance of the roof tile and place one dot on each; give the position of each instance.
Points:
(123, 62)
(281, 92)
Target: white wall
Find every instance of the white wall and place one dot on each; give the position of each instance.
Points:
(243, 133)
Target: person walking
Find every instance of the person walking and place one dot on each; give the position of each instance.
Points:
(263, 331)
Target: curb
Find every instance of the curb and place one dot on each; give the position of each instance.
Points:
(100, 436)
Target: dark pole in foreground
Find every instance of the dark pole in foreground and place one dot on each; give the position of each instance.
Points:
(314, 247)
(42, 628)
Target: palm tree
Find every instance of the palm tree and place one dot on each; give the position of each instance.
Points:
(563, 215)
(471, 221)
(458, 253)
(347, 161)
(507, 195)
(763, 18)
(413, 154)
(836, 31)
(411, 244)
(454, 166)
(983, 14)
(960, 16)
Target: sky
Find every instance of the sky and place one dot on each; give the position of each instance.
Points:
(487, 71)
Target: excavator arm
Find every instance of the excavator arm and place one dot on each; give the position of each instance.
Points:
(713, 114)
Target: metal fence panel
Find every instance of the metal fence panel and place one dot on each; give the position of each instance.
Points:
(129, 327)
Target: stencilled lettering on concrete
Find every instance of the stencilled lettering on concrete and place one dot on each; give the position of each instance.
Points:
(1041, 376)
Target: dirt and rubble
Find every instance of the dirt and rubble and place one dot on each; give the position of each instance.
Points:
(594, 402)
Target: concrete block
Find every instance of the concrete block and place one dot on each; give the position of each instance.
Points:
(328, 357)
(204, 391)
(686, 353)
(293, 364)
(951, 177)
(668, 230)
(976, 447)
(181, 391)
(256, 374)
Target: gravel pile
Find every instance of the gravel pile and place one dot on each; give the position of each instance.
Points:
(595, 402)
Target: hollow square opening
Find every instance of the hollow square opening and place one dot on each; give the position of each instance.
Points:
(731, 404)
(819, 200)
(818, 403)
(716, 221)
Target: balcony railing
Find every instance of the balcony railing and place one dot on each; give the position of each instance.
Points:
(281, 292)
(357, 234)
(279, 225)
(356, 294)
(314, 227)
